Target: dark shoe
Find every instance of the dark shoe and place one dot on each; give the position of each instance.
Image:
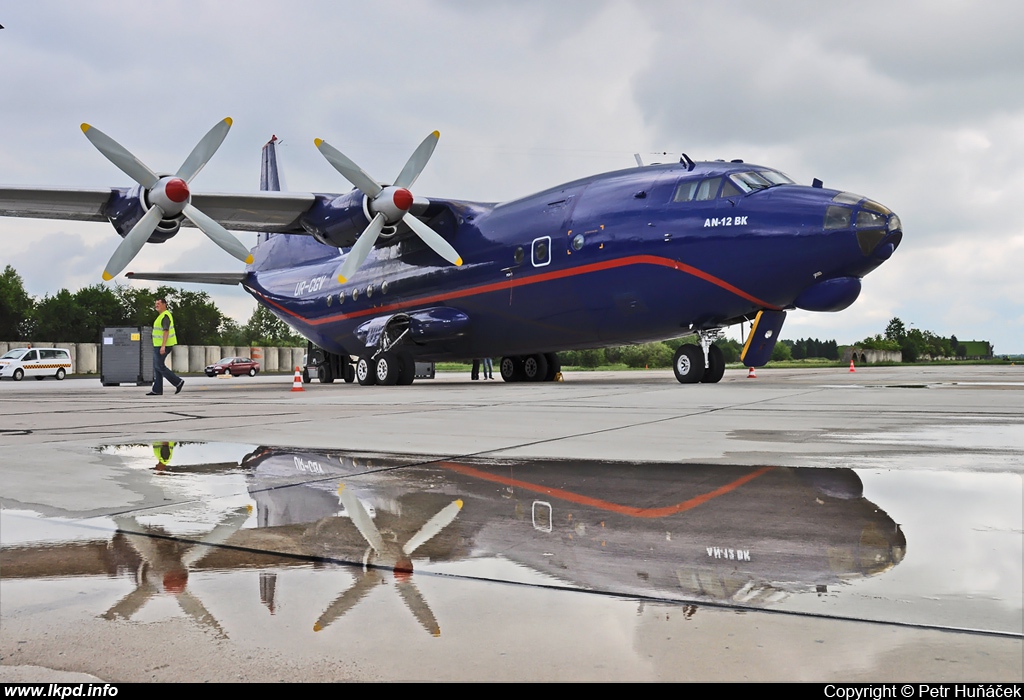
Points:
(153, 393)
(177, 389)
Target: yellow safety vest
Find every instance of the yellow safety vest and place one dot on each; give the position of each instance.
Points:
(158, 331)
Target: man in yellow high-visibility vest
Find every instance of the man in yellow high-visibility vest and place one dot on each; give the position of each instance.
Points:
(163, 340)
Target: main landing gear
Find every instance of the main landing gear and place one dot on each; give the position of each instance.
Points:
(530, 368)
(700, 363)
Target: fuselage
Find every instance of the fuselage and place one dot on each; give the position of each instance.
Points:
(631, 256)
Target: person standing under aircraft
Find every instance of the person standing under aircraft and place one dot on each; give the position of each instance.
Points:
(488, 367)
(163, 340)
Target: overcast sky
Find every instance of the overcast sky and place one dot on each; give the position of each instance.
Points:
(919, 105)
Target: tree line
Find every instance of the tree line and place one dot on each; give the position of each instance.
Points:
(915, 343)
(81, 316)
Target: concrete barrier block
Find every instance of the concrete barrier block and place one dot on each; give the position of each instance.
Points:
(86, 355)
(270, 363)
(179, 359)
(212, 354)
(196, 358)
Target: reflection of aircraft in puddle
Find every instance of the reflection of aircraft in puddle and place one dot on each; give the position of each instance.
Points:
(389, 553)
(165, 563)
(737, 535)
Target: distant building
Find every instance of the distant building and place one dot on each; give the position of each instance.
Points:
(864, 356)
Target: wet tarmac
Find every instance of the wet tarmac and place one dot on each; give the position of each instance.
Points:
(809, 525)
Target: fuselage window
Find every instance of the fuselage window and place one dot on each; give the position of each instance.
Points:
(541, 251)
(519, 255)
(708, 189)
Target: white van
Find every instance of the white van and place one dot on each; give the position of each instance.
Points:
(35, 362)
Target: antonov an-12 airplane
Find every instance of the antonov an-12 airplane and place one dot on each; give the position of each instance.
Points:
(379, 278)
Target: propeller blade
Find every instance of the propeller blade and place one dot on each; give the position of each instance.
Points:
(204, 150)
(433, 239)
(132, 243)
(417, 605)
(347, 600)
(417, 161)
(194, 608)
(121, 157)
(231, 524)
(361, 519)
(440, 521)
(131, 603)
(217, 233)
(352, 172)
(360, 250)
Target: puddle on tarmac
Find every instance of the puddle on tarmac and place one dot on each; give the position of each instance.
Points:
(315, 537)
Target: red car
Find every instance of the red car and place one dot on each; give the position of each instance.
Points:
(235, 366)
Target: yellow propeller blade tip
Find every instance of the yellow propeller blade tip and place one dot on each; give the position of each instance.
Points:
(248, 508)
(341, 487)
(229, 121)
(318, 142)
(458, 262)
(317, 627)
(436, 134)
(85, 127)
(248, 260)
(107, 276)
(341, 280)
(459, 503)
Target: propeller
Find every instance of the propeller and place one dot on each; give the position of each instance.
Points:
(168, 195)
(388, 204)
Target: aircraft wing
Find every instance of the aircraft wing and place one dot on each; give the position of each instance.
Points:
(50, 203)
(276, 212)
(198, 277)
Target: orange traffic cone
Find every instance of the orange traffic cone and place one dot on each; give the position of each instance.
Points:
(851, 366)
(297, 383)
(751, 374)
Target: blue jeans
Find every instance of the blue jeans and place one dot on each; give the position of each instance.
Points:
(160, 370)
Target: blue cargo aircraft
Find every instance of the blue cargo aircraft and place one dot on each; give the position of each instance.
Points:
(379, 278)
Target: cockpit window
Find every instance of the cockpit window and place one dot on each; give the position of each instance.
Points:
(837, 218)
(685, 191)
(760, 180)
(869, 219)
(708, 189)
(775, 177)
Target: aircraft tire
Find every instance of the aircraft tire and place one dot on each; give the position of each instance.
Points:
(348, 370)
(406, 369)
(364, 372)
(716, 366)
(305, 375)
(324, 373)
(511, 369)
(385, 369)
(688, 364)
(535, 368)
(554, 366)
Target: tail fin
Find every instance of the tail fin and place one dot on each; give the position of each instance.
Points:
(271, 179)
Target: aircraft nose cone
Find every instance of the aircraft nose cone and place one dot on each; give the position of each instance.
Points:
(176, 190)
(402, 198)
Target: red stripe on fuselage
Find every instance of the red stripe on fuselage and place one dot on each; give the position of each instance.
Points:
(533, 279)
(619, 508)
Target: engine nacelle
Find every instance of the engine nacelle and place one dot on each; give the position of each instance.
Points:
(337, 222)
(126, 207)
